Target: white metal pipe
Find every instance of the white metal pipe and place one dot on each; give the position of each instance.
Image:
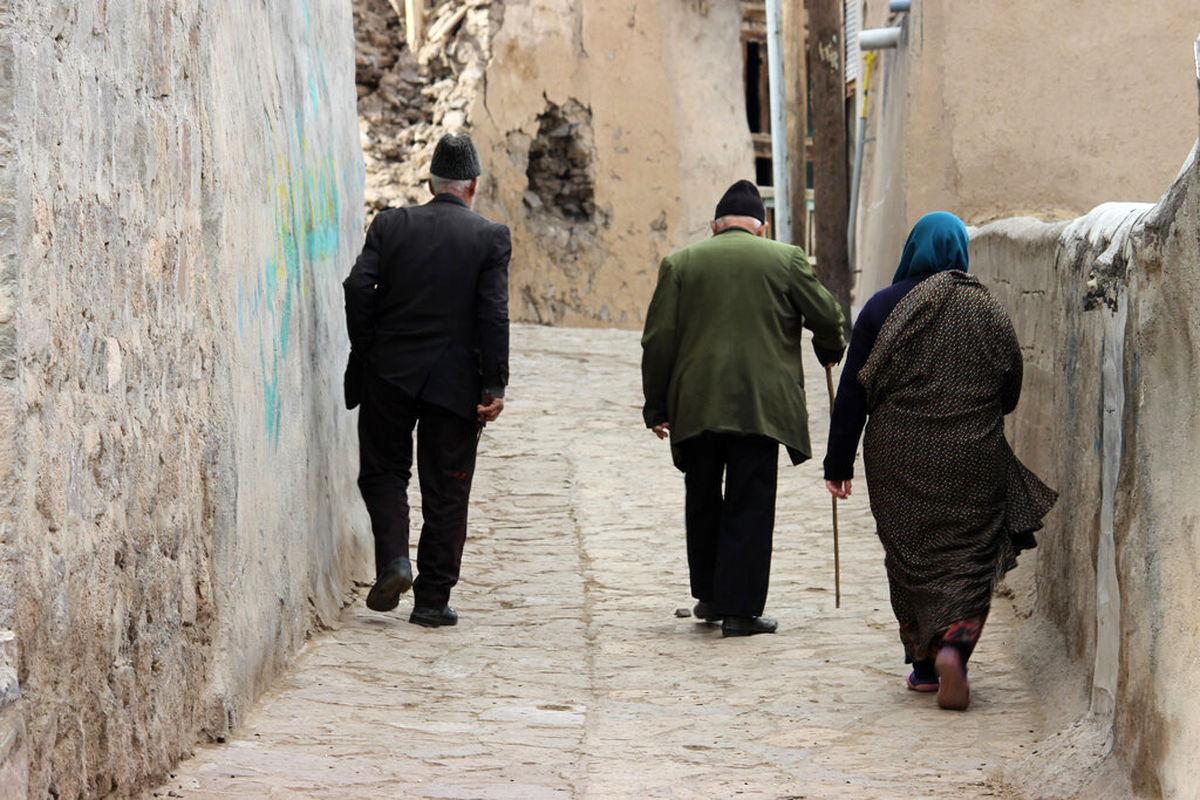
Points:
(851, 228)
(779, 177)
(879, 38)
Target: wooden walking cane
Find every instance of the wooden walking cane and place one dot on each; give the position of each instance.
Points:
(837, 566)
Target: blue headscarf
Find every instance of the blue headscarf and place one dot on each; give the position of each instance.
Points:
(938, 242)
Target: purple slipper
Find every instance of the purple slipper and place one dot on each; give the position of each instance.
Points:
(921, 684)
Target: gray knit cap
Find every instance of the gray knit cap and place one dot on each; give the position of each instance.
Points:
(455, 158)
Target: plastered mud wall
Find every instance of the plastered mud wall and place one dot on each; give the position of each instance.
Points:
(180, 195)
(1105, 307)
(993, 110)
(651, 94)
(607, 132)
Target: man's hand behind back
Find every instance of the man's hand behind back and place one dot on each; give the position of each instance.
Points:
(490, 408)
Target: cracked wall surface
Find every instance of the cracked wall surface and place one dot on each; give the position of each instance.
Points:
(180, 194)
(651, 98)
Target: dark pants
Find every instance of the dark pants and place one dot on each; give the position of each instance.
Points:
(446, 445)
(729, 532)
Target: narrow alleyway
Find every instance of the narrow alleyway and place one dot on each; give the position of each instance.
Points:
(569, 676)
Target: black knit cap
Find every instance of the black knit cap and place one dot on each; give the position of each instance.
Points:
(455, 158)
(741, 200)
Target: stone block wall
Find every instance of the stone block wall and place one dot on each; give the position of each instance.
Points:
(180, 196)
(1105, 307)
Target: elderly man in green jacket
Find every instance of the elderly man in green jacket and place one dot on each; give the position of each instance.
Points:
(722, 374)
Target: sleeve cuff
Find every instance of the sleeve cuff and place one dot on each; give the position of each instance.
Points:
(829, 356)
(838, 472)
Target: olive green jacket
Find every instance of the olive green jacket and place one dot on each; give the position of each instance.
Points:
(721, 346)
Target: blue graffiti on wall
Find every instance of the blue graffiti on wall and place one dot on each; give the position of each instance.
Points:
(307, 234)
(306, 194)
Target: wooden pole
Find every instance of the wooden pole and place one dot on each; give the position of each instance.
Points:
(414, 23)
(795, 76)
(837, 560)
(831, 180)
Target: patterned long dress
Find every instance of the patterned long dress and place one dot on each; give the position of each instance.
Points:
(953, 505)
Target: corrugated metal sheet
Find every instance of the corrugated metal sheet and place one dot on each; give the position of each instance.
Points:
(851, 28)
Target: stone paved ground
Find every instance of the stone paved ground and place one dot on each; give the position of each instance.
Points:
(569, 675)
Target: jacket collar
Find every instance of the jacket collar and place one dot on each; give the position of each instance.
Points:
(732, 228)
(446, 197)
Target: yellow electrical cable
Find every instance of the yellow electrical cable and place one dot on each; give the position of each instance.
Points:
(868, 61)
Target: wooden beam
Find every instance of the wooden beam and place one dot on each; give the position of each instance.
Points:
(414, 23)
(762, 149)
(754, 21)
(762, 144)
(831, 180)
(795, 97)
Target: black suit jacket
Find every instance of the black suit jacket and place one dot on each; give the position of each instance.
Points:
(427, 303)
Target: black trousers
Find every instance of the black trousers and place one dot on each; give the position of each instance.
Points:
(729, 529)
(446, 447)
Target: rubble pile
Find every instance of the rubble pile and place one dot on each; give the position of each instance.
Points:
(407, 99)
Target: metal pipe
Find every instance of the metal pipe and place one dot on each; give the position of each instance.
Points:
(868, 41)
(779, 172)
(879, 39)
(856, 177)
(899, 6)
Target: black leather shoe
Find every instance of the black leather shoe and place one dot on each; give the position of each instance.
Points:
(703, 610)
(395, 580)
(747, 626)
(433, 617)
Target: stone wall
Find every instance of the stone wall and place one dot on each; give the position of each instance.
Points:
(180, 196)
(1105, 307)
(607, 131)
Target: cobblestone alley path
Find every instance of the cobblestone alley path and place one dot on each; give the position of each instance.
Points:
(569, 676)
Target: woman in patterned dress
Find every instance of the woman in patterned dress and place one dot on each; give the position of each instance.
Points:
(935, 365)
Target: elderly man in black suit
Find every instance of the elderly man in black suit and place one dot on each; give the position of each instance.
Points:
(427, 312)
